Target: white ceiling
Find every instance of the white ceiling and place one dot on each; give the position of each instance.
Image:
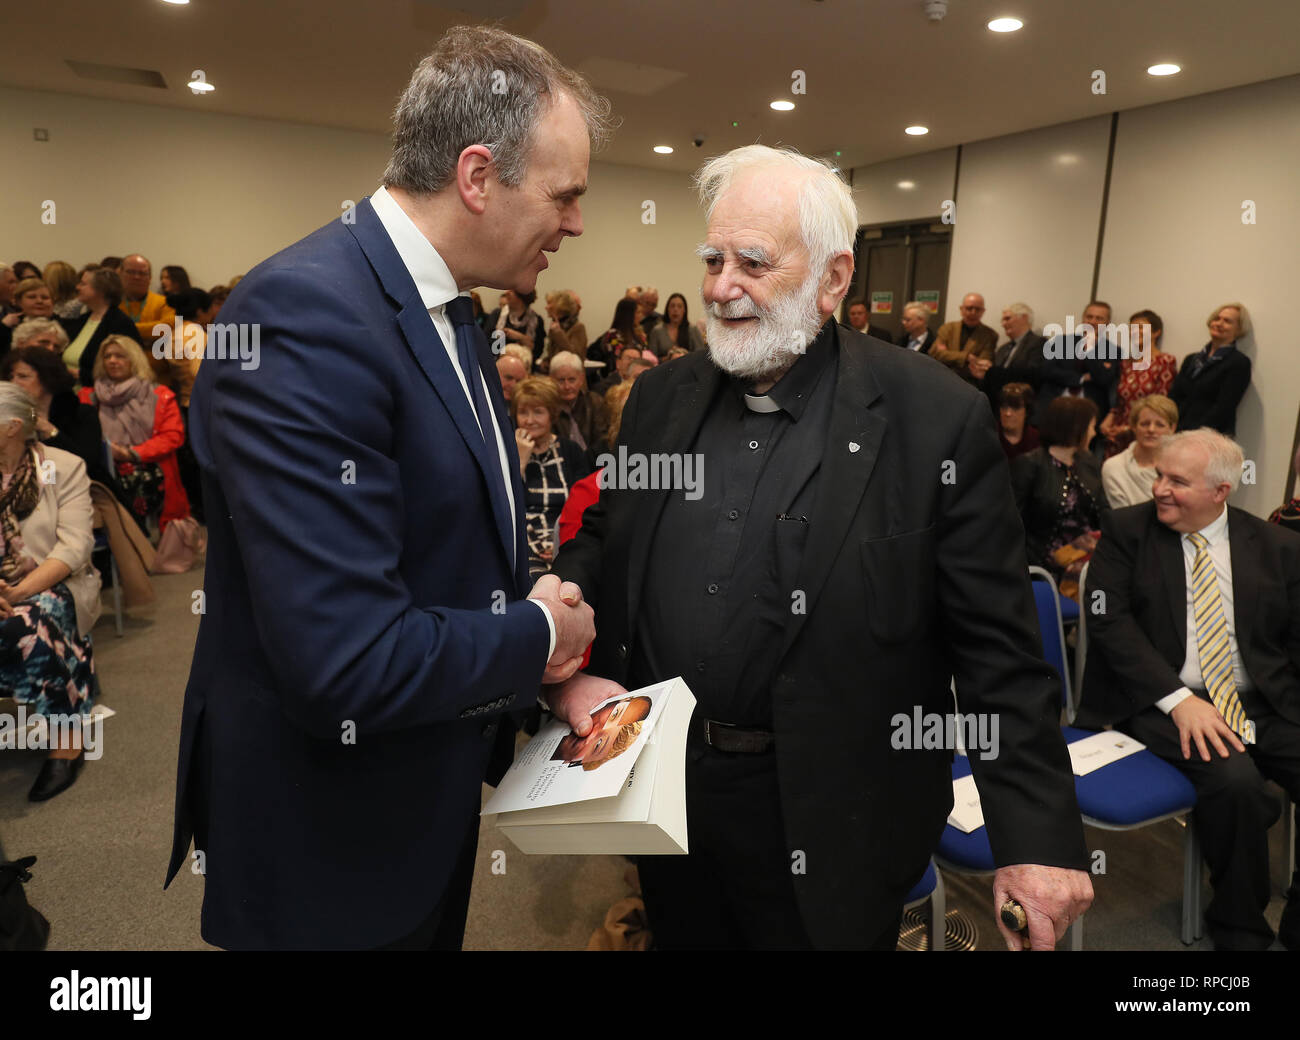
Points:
(872, 66)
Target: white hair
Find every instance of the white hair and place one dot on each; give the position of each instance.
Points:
(1024, 310)
(1224, 457)
(30, 328)
(828, 218)
(567, 359)
(520, 353)
(17, 403)
(920, 308)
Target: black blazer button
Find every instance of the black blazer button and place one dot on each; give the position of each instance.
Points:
(622, 650)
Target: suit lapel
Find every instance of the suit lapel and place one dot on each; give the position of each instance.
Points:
(852, 448)
(1245, 576)
(685, 417)
(425, 344)
(1174, 570)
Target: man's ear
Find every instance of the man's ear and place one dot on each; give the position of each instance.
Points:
(474, 177)
(835, 283)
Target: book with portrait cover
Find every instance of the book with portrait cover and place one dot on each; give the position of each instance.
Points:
(621, 790)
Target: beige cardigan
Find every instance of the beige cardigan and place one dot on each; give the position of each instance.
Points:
(60, 528)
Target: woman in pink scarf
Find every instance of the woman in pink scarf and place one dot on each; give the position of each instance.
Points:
(142, 424)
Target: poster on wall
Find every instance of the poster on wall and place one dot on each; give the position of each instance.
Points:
(929, 297)
(882, 303)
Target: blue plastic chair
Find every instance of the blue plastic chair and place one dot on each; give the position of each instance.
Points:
(930, 890)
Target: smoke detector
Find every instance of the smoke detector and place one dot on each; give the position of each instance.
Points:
(935, 9)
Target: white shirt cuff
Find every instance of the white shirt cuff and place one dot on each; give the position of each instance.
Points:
(550, 623)
(1171, 701)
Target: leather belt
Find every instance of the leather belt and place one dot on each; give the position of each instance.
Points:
(723, 736)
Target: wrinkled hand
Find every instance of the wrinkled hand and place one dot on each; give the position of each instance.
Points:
(1201, 721)
(1053, 897)
(575, 625)
(525, 444)
(572, 702)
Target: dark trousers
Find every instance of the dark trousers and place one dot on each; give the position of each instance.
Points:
(1234, 811)
(736, 889)
(444, 928)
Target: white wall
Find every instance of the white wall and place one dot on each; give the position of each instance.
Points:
(880, 200)
(1028, 209)
(1175, 242)
(217, 194)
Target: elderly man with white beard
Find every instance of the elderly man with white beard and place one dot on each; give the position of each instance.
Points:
(835, 571)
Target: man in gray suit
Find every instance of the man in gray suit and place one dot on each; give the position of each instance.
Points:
(1020, 358)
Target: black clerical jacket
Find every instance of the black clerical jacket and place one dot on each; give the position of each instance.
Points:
(914, 573)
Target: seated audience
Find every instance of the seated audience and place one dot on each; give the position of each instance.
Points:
(1194, 656)
(173, 279)
(1058, 491)
(550, 465)
(45, 333)
(143, 427)
(32, 299)
(113, 263)
(518, 323)
(623, 330)
(564, 333)
(61, 277)
(859, 321)
(1134, 383)
(587, 490)
(1212, 382)
(217, 295)
(512, 372)
(25, 269)
(8, 282)
(646, 315)
(1085, 366)
(1287, 514)
(675, 353)
(49, 592)
(625, 357)
(101, 291)
(1014, 431)
(638, 365)
(676, 329)
(582, 413)
(1128, 476)
(181, 369)
(146, 309)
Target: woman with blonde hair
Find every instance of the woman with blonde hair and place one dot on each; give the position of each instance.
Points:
(142, 424)
(565, 333)
(49, 592)
(1213, 381)
(61, 277)
(1128, 477)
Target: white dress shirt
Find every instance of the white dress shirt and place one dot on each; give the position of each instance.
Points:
(437, 287)
(1219, 549)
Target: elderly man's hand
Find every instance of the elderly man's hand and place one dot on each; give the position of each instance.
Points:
(573, 701)
(575, 625)
(1053, 897)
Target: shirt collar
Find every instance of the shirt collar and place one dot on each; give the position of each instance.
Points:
(432, 277)
(1216, 530)
(794, 389)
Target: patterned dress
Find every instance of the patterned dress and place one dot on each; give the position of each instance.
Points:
(546, 487)
(1076, 514)
(44, 661)
(1133, 383)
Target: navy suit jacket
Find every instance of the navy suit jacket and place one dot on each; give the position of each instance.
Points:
(363, 629)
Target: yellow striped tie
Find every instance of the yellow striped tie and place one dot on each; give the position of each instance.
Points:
(1212, 642)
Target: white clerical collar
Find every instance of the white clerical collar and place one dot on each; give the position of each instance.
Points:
(761, 403)
(432, 277)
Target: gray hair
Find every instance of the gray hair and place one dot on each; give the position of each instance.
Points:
(567, 359)
(520, 353)
(921, 308)
(828, 217)
(17, 403)
(1224, 457)
(30, 328)
(1024, 310)
(481, 85)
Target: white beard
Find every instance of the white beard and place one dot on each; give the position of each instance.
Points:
(771, 344)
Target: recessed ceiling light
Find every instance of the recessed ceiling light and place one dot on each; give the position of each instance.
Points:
(907, 185)
(199, 86)
(1005, 24)
(664, 149)
(1067, 159)
(917, 131)
(177, 2)
(783, 106)
(1164, 69)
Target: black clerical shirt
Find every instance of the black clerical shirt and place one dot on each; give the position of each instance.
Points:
(721, 581)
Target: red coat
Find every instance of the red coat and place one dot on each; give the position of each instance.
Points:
(167, 435)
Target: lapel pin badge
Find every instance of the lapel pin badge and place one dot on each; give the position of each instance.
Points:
(854, 446)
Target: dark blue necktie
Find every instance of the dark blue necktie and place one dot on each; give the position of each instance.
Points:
(461, 312)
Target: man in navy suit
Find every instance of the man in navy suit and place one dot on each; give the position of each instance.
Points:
(366, 625)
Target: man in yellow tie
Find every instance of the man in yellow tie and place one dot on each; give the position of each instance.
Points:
(1194, 649)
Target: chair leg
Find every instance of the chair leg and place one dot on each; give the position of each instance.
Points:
(1193, 926)
(938, 915)
(117, 595)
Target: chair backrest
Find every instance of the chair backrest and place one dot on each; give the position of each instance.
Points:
(1047, 601)
(1080, 648)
